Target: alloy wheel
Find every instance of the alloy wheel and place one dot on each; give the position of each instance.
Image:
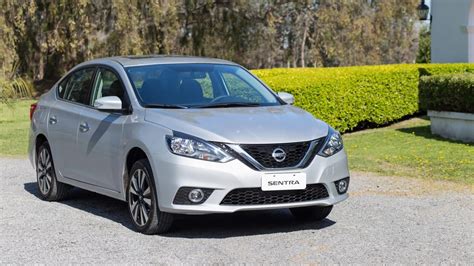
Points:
(44, 171)
(140, 197)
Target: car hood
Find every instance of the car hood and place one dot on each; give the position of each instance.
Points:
(244, 125)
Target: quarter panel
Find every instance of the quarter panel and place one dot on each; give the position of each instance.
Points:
(148, 137)
(38, 124)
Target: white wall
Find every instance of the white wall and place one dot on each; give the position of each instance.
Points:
(470, 32)
(452, 36)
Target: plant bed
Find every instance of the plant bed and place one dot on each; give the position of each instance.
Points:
(449, 100)
(452, 125)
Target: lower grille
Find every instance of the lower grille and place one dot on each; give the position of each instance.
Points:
(255, 196)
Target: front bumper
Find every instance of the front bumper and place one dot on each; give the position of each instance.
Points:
(173, 172)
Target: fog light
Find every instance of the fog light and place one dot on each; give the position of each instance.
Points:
(342, 185)
(196, 195)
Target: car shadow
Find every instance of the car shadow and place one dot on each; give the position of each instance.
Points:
(96, 204)
(192, 226)
(248, 223)
(425, 132)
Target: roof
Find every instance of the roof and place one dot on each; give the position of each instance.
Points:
(127, 61)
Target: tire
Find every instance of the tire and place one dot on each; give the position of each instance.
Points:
(143, 202)
(311, 213)
(49, 187)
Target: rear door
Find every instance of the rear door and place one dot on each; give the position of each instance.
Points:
(63, 121)
(100, 137)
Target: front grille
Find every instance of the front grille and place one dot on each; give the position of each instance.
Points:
(262, 153)
(255, 196)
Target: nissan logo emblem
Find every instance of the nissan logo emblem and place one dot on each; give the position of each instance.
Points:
(279, 155)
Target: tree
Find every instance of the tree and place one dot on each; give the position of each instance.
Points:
(48, 37)
(7, 46)
(362, 32)
(424, 45)
(297, 22)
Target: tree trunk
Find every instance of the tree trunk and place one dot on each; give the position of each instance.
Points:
(303, 45)
(41, 64)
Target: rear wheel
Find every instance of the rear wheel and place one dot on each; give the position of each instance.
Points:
(311, 213)
(143, 203)
(49, 187)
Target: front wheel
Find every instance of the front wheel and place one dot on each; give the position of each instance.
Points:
(311, 213)
(143, 203)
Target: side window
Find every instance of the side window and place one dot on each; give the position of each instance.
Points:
(107, 84)
(239, 88)
(62, 87)
(78, 86)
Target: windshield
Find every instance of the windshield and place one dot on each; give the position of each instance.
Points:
(198, 85)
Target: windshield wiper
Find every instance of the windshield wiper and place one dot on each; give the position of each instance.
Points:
(221, 105)
(165, 106)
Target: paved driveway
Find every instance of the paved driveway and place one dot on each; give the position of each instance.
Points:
(391, 220)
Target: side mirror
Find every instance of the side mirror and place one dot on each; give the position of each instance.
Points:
(108, 103)
(286, 97)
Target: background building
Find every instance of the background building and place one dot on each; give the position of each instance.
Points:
(452, 31)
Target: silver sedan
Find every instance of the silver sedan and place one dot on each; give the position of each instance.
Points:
(183, 135)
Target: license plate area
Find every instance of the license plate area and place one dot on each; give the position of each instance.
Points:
(284, 181)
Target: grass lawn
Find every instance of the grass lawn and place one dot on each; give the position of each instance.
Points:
(404, 149)
(409, 149)
(14, 127)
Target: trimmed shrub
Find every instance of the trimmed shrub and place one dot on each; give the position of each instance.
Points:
(450, 92)
(347, 97)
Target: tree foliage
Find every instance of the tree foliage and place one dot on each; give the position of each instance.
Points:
(361, 32)
(424, 46)
(47, 37)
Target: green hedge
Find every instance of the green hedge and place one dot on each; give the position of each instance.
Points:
(449, 92)
(347, 97)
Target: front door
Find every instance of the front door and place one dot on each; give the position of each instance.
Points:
(100, 138)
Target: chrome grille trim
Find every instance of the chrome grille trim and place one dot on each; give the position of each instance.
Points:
(245, 156)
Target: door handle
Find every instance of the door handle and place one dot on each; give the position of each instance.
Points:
(84, 127)
(53, 120)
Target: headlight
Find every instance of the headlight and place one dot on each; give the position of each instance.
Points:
(333, 143)
(192, 147)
